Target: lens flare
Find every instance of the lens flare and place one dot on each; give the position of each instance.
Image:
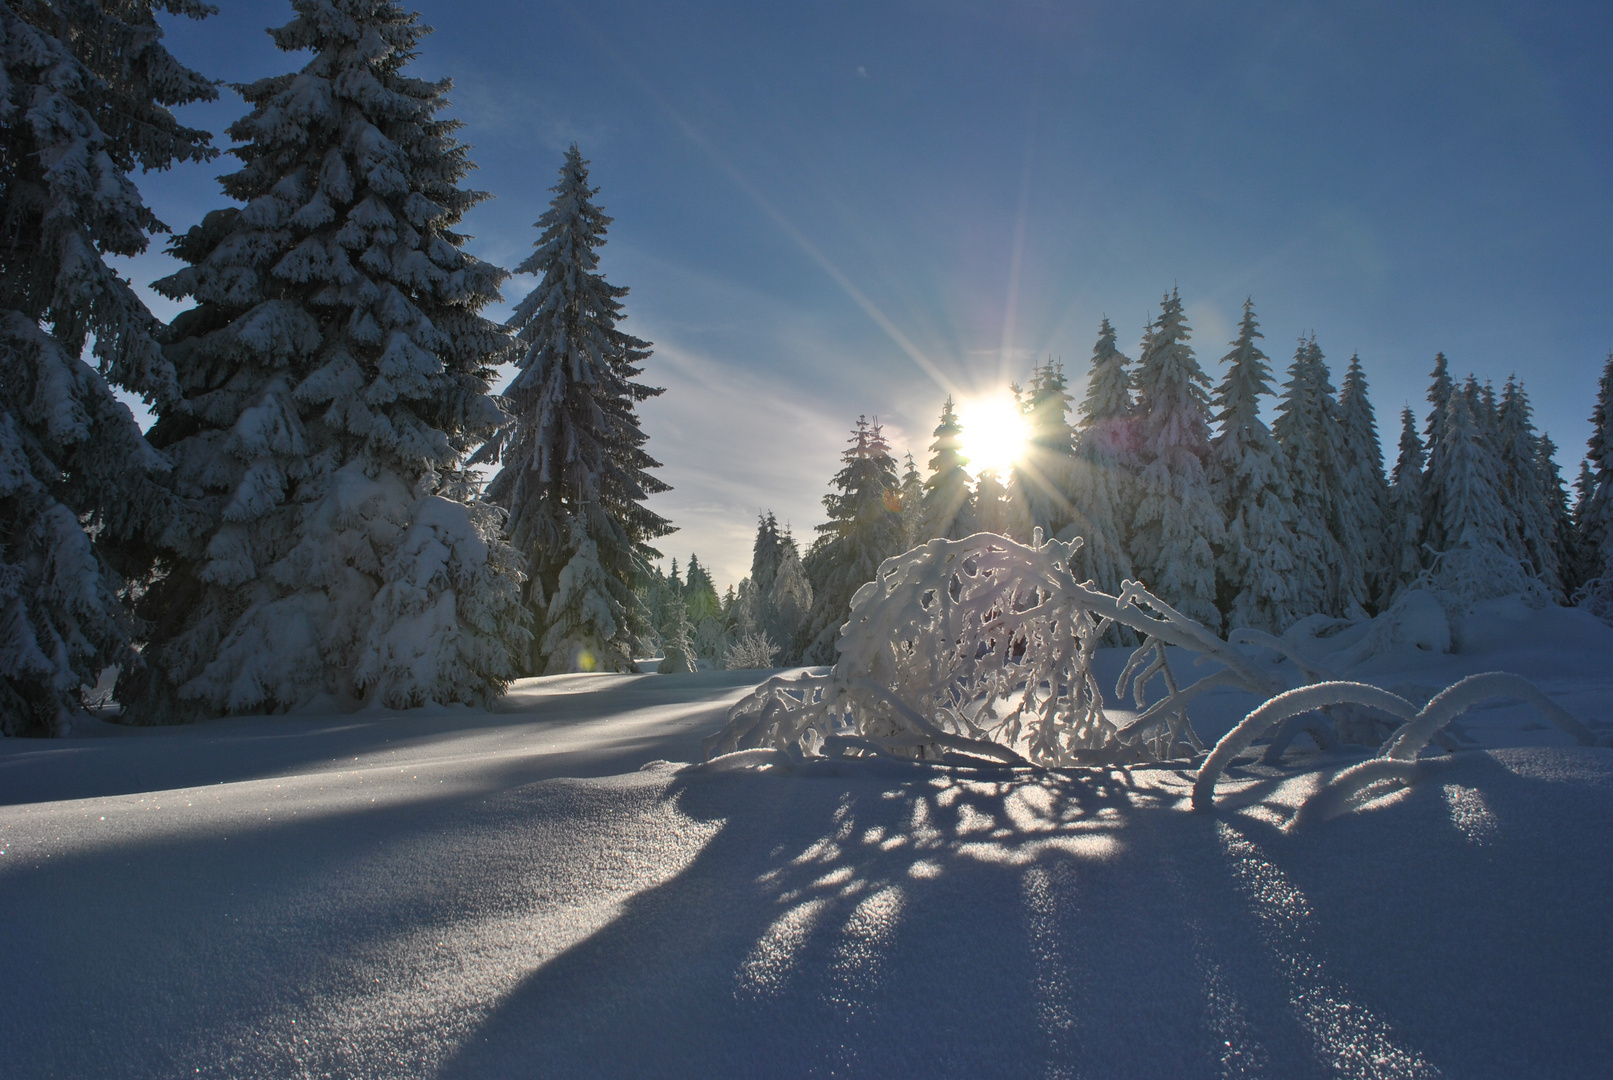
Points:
(994, 432)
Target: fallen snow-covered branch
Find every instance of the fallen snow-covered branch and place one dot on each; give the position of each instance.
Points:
(1402, 747)
(1275, 711)
(1457, 698)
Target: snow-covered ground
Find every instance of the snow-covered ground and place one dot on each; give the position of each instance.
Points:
(535, 891)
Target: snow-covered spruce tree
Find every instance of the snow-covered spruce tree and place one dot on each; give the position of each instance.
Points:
(1403, 537)
(789, 599)
(1045, 472)
(573, 447)
(1249, 483)
(677, 638)
(1103, 482)
(85, 92)
(1307, 429)
(334, 373)
(863, 530)
(1557, 508)
(1594, 513)
(749, 613)
(775, 600)
(1363, 495)
(991, 504)
(711, 638)
(1486, 412)
(1524, 487)
(1440, 389)
(584, 621)
(765, 553)
(1106, 411)
(913, 532)
(1176, 526)
(699, 593)
(949, 511)
(1475, 527)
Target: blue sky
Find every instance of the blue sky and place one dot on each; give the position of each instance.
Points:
(838, 208)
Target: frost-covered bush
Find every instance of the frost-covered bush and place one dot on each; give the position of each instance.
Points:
(983, 647)
(753, 650)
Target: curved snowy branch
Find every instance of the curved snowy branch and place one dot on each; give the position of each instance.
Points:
(1280, 708)
(1457, 698)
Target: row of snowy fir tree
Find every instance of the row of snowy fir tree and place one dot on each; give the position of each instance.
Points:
(1183, 486)
(301, 520)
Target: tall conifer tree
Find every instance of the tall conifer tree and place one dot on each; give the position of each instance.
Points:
(1249, 482)
(1363, 495)
(573, 447)
(1176, 527)
(789, 599)
(949, 511)
(863, 530)
(1440, 389)
(335, 373)
(1403, 541)
(85, 91)
(1594, 514)
(1045, 472)
(1307, 429)
(912, 494)
(1103, 479)
(1524, 487)
(1466, 475)
(1557, 505)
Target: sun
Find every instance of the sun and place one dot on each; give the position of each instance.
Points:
(994, 432)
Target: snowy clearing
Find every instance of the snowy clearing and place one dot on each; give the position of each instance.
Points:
(535, 891)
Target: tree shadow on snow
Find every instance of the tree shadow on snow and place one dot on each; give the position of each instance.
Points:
(869, 926)
(232, 749)
(872, 926)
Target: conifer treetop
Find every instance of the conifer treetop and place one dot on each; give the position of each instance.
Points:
(1409, 465)
(342, 273)
(1108, 395)
(868, 472)
(948, 445)
(575, 435)
(1172, 390)
(1247, 380)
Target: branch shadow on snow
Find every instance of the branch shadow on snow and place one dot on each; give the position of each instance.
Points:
(876, 923)
(878, 927)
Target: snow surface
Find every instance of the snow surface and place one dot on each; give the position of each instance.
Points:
(535, 891)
